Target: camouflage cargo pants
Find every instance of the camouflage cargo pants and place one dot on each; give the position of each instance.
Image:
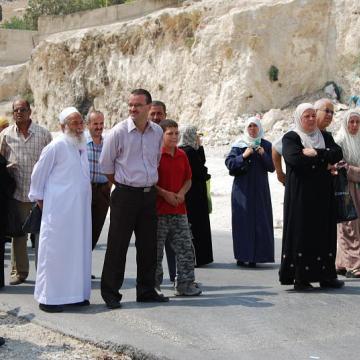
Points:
(176, 229)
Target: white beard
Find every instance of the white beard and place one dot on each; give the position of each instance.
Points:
(78, 140)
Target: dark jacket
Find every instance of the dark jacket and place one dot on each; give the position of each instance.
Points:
(7, 188)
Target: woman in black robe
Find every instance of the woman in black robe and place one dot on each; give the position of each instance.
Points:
(309, 232)
(196, 198)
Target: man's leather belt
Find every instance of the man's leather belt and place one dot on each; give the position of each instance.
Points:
(99, 184)
(133, 188)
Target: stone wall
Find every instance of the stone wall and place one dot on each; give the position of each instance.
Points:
(16, 46)
(107, 15)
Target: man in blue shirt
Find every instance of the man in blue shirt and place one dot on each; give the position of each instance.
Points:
(99, 182)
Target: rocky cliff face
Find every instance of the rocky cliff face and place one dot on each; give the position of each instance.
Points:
(208, 60)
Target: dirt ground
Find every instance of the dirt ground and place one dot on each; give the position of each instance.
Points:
(28, 341)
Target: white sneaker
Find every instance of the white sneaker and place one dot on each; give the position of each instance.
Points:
(187, 289)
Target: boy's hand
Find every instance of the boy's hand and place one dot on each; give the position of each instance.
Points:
(180, 196)
(171, 198)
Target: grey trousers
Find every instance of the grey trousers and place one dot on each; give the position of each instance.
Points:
(175, 229)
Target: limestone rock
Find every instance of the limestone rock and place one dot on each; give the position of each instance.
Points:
(13, 80)
(208, 60)
(270, 118)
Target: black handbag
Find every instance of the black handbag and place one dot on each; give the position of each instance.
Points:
(345, 208)
(242, 170)
(33, 221)
(13, 224)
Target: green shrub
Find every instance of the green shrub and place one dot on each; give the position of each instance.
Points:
(273, 73)
(37, 8)
(16, 23)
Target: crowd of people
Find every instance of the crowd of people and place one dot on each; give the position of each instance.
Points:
(156, 171)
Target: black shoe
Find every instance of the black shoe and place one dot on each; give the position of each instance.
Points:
(51, 308)
(114, 304)
(2, 341)
(152, 297)
(93, 277)
(333, 283)
(81, 303)
(240, 263)
(252, 265)
(302, 286)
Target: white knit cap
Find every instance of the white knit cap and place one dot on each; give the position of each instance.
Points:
(66, 112)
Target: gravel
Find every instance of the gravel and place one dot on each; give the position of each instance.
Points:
(26, 340)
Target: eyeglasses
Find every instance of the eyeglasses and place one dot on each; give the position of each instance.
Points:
(20, 110)
(136, 106)
(328, 111)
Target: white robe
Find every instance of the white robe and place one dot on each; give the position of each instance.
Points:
(61, 178)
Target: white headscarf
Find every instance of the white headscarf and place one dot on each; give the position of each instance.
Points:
(350, 144)
(66, 112)
(312, 139)
(246, 140)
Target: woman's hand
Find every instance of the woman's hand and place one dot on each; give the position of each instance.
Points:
(247, 152)
(260, 150)
(309, 152)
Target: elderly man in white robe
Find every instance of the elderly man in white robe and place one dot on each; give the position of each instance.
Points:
(60, 184)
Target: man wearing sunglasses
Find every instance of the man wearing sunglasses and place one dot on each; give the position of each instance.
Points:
(21, 144)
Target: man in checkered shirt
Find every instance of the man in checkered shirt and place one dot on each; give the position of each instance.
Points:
(99, 183)
(21, 144)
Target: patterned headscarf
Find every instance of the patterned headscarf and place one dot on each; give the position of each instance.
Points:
(350, 144)
(313, 139)
(246, 140)
(188, 136)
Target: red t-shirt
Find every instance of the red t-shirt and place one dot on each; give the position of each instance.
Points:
(173, 172)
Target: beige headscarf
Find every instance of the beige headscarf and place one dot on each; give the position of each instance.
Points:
(313, 139)
(188, 136)
(350, 144)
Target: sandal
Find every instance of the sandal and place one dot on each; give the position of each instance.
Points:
(353, 274)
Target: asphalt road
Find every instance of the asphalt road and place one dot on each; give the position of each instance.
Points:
(242, 313)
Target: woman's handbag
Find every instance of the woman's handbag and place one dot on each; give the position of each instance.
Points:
(345, 208)
(33, 221)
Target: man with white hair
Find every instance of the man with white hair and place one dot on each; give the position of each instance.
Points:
(60, 184)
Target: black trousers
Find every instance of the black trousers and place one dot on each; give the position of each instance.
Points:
(99, 208)
(130, 211)
(2, 253)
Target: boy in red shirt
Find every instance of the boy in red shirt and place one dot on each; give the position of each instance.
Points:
(174, 182)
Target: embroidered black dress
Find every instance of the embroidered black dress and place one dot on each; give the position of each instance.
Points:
(309, 232)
